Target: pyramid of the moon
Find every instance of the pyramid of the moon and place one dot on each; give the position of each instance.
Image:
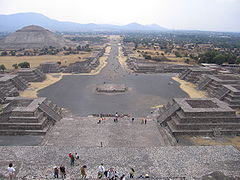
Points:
(33, 37)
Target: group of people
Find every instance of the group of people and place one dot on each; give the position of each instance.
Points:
(59, 171)
(112, 174)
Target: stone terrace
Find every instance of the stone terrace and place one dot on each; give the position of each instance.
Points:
(11, 84)
(207, 116)
(32, 74)
(21, 116)
(229, 94)
(143, 66)
(49, 67)
(213, 83)
(190, 162)
(193, 74)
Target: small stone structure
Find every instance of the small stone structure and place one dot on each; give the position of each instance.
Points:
(85, 66)
(11, 84)
(82, 66)
(193, 74)
(185, 116)
(229, 94)
(212, 83)
(142, 66)
(49, 67)
(32, 74)
(22, 116)
(111, 88)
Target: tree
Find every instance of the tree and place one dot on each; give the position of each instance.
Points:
(59, 62)
(177, 54)
(15, 66)
(2, 67)
(24, 65)
(4, 53)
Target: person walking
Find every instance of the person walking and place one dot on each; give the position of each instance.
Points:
(83, 171)
(131, 173)
(145, 121)
(55, 172)
(11, 171)
(72, 160)
(132, 119)
(62, 172)
(111, 174)
(116, 116)
(101, 170)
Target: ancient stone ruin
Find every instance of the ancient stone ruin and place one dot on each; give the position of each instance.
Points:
(207, 116)
(11, 84)
(193, 74)
(32, 74)
(82, 66)
(85, 66)
(142, 66)
(111, 88)
(212, 83)
(22, 116)
(49, 67)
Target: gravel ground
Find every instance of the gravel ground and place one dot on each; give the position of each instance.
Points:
(191, 162)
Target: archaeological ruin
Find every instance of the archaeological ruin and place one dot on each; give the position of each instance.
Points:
(27, 116)
(142, 66)
(49, 67)
(193, 74)
(10, 85)
(111, 88)
(205, 116)
(31, 74)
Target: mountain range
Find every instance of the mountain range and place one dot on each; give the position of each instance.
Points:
(13, 22)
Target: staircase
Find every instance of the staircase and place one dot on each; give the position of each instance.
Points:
(204, 83)
(167, 112)
(50, 112)
(185, 73)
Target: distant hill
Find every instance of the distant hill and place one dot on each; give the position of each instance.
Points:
(10, 23)
(33, 37)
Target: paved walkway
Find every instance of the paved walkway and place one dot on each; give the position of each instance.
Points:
(85, 132)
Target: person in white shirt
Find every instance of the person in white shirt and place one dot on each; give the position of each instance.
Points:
(11, 171)
(101, 170)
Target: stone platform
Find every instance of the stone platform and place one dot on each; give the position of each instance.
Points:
(32, 74)
(10, 85)
(49, 67)
(24, 116)
(208, 116)
(111, 88)
(160, 163)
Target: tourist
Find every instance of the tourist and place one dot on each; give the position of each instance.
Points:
(123, 177)
(62, 172)
(116, 116)
(101, 170)
(55, 172)
(111, 174)
(11, 171)
(145, 121)
(76, 156)
(72, 159)
(132, 119)
(83, 172)
(131, 173)
(142, 122)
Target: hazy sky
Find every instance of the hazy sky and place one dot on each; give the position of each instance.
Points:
(216, 15)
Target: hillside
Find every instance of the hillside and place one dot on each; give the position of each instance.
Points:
(12, 22)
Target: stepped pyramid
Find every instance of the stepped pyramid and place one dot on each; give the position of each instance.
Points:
(33, 37)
